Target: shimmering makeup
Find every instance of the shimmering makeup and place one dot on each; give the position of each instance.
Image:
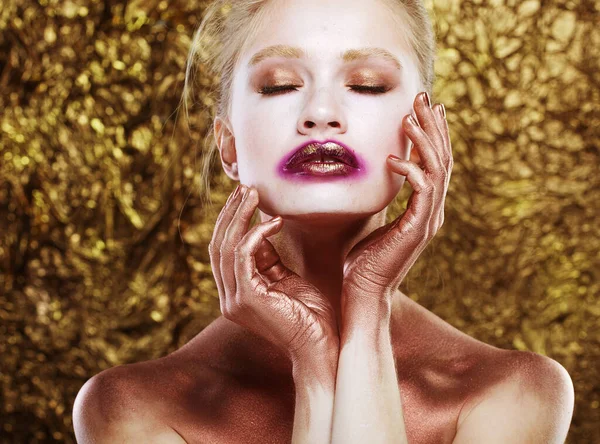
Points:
(367, 77)
(353, 166)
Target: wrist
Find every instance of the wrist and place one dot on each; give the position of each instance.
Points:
(365, 312)
(320, 367)
(372, 338)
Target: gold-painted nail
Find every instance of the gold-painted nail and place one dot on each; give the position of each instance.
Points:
(427, 99)
(245, 192)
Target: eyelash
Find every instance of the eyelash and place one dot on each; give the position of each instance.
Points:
(273, 90)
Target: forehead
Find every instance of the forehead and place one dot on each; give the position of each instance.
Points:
(327, 29)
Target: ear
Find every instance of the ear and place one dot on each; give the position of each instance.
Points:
(226, 145)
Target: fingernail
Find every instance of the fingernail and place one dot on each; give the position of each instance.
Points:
(443, 110)
(236, 192)
(426, 99)
(275, 220)
(394, 158)
(412, 120)
(244, 190)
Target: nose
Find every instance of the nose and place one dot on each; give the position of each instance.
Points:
(322, 115)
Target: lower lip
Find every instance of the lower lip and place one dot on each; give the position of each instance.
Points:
(317, 171)
(324, 169)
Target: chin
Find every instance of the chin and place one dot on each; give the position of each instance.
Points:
(325, 213)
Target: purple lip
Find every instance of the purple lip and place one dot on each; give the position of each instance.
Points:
(316, 150)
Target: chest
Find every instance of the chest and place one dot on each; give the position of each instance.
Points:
(232, 413)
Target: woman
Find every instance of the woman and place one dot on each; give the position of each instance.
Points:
(324, 112)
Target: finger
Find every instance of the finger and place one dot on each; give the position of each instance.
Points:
(268, 263)
(427, 121)
(233, 235)
(245, 266)
(214, 246)
(430, 158)
(226, 211)
(440, 113)
(418, 214)
(409, 234)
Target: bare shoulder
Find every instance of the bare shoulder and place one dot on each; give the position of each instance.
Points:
(499, 395)
(120, 404)
(160, 400)
(532, 403)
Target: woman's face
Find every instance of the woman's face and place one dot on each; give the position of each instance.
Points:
(325, 102)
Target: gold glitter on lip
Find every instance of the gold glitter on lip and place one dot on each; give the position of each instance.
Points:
(315, 150)
(325, 168)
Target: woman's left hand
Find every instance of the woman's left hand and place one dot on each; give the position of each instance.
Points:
(376, 266)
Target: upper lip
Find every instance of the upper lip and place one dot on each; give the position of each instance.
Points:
(318, 150)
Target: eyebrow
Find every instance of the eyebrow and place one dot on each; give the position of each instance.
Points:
(294, 52)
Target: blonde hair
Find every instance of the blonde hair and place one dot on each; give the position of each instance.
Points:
(228, 26)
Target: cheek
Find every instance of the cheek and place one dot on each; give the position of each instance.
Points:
(382, 139)
(255, 152)
(383, 125)
(403, 143)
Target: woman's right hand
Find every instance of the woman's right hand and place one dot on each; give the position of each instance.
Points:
(257, 291)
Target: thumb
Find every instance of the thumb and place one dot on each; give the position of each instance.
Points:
(268, 263)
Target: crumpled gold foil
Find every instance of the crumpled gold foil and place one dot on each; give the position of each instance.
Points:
(103, 237)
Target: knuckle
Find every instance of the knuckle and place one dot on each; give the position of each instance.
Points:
(239, 305)
(213, 251)
(429, 188)
(238, 250)
(409, 223)
(223, 248)
(439, 176)
(444, 177)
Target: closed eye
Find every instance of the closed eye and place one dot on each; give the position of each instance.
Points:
(274, 90)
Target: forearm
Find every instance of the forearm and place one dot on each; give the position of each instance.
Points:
(367, 405)
(315, 388)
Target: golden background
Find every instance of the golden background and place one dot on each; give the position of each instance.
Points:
(103, 234)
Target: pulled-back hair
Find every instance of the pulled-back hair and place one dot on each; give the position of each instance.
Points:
(228, 26)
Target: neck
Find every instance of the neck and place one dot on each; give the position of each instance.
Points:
(315, 246)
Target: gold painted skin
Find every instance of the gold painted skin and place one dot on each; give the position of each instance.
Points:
(273, 370)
